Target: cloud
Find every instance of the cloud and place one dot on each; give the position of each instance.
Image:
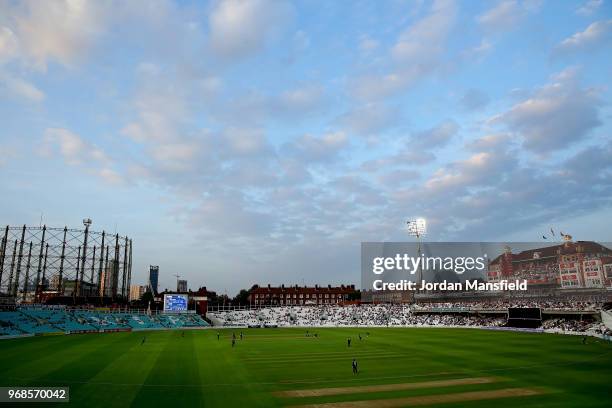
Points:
(161, 106)
(254, 107)
(457, 176)
(556, 116)
(478, 52)
(505, 15)
(478, 196)
(488, 143)
(68, 32)
(424, 41)
(580, 168)
(77, 151)
(406, 157)
(6, 153)
(416, 149)
(589, 7)
(174, 156)
(438, 136)
(495, 201)
(309, 148)
(21, 88)
(376, 87)
(418, 52)
(474, 99)
(241, 142)
(34, 34)
(299, 100)
(300, 43)
(228, 213)
(598, 34)
(240, 28)
(413, 157)
(399, 178)
(59, 31)
(110, 176)
(367, 45)
(9, 45)
(355, 190)
(369, 118)
(167, 123)
(72, 147)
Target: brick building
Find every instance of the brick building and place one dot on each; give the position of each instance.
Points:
(581, 264)
(299, 295)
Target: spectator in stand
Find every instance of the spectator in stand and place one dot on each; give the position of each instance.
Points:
(421, 314)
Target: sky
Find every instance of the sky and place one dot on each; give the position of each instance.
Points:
(254, 142)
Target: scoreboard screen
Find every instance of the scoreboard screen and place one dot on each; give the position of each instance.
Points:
(175, 303)
(532, 313)
(527, 317)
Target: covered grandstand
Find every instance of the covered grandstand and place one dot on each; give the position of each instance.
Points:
(47, 320)
(571, 318)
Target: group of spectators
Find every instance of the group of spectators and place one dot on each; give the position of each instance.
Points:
(371, 315)
(403, 315)
(577, 326)
(592, 303)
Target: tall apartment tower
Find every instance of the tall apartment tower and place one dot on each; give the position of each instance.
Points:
(153, 278)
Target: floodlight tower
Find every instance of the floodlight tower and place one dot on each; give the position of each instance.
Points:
(417, 228)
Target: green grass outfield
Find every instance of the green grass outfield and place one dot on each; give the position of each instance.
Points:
(115, 370)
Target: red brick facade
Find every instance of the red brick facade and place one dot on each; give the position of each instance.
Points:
(581, 264)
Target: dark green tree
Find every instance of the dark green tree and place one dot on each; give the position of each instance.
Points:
(356, 295)
(242, 298)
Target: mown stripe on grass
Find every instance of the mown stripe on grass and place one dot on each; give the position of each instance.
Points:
(344, 353)
(175, 362)
(429, 399)
(320, 392)
(59, 362)
(348, 356)
(135, 356)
